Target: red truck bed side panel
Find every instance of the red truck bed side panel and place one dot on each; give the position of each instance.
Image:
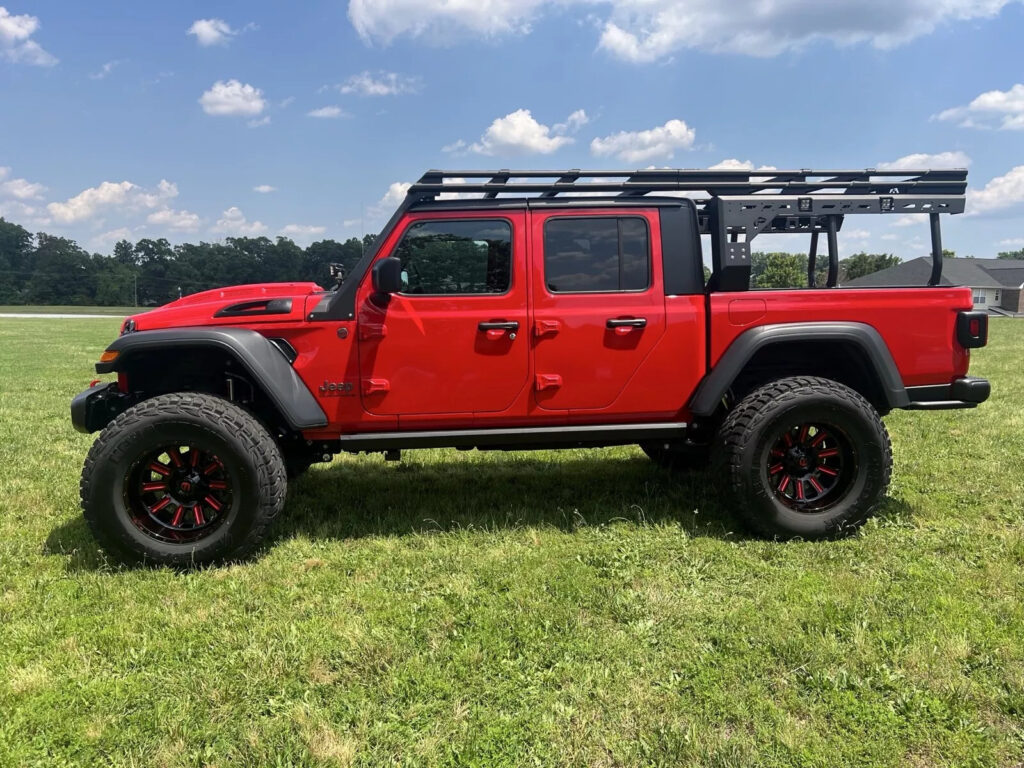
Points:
(917, 324)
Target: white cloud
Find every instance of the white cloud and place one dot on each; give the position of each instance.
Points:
(211, 31)
(112, 236)
(123, 196)
(105, 70)
(17, 211)
(302, 232)
(922, 160)
(1012, 241)
(732, 164)
(16, 43)
(22, 189)
(573, 123)
(180, 221)
(264, 189)
(326, 112)
(518, 133)
(992, 109)
(907, 221)
(394, 196)
(648, 30)
(1002, 192)
(258, 122)
(233, 222)
(384, 20)
(233, 98)
(644, 146)
(380, 84)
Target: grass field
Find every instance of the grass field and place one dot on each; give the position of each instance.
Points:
(58, 309)
(576, 608)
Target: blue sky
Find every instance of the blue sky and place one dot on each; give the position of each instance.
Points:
(194, 121)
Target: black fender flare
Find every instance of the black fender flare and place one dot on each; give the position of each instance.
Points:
(714, 386)
(259, 357)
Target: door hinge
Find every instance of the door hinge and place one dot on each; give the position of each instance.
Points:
(371, 386)
(548, 381)
(546, 327)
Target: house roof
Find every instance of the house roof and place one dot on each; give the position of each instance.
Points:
(1009, 272)
(974, 273)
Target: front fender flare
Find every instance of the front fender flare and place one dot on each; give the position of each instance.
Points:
(714, 386)
(260, 358)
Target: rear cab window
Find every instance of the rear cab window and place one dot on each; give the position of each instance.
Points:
(597, 254)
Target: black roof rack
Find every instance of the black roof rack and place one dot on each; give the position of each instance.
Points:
(732, 206)
(713, 183)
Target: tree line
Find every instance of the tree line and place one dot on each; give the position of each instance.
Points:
(46, 269)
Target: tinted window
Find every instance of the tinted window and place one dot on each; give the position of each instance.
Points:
(445, 257)
(596, 254)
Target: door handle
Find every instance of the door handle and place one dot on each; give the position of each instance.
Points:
(500, 329)
(626, 322)
(500, 325)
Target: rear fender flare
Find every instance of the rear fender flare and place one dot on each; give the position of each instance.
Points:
(260, 358)
(715, 385)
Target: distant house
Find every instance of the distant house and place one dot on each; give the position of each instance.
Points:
(998, 284)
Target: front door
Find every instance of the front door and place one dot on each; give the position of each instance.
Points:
(599, 307)
(455, 340)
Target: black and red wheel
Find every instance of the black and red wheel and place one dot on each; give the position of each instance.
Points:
(182, 479)
(804, 457)
(179, 493)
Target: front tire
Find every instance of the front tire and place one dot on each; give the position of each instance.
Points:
(804, 457)
(182, 479)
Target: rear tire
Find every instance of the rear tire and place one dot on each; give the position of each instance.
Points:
(182, 479)
(804, 457)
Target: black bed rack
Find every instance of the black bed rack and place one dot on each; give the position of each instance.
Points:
(734, 206)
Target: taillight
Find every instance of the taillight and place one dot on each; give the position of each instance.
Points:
(972, 329)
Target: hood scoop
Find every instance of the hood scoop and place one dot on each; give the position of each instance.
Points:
(257, 308)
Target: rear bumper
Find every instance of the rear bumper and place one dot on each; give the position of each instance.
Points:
(94, 408)
(967, 392)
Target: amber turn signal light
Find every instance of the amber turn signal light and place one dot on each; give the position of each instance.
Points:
(109, 356)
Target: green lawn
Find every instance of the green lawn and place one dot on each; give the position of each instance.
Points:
(56, 309)
(576, 608)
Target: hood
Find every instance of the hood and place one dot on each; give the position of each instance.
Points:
(236, 305)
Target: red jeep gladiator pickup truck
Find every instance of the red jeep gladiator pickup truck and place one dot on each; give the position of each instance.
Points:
(516, 310)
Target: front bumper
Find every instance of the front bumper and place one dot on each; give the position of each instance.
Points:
(94, 408)
(967, 392)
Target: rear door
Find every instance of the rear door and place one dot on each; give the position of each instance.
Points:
(599, 308)
(449, 343)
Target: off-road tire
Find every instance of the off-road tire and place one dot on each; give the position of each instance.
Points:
(677, 456)
(248, 456)
(753, 436)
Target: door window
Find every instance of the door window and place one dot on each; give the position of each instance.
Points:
(597, 254)
(446, 257)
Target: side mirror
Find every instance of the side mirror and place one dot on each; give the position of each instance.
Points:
(387, 276)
